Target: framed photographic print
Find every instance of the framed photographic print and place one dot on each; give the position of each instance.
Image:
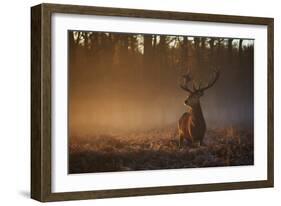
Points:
(132, 102)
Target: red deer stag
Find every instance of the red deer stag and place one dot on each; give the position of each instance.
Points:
(192, 125)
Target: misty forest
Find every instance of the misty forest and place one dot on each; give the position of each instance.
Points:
(149, 101)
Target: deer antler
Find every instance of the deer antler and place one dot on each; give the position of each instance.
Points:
(186, 79)
(215, 75)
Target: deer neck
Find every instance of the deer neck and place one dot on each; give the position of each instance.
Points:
(197, 115)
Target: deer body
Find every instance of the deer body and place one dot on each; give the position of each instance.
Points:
(192, 125)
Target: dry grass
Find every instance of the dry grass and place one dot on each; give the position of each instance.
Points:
(158, 149)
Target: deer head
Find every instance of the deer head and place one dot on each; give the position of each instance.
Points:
(196, 91)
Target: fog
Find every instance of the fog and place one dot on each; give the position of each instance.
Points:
(126, 82)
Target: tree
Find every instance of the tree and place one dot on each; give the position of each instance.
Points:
(240, 48)
(230, 49)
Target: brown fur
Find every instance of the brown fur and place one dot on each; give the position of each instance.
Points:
(192, 126)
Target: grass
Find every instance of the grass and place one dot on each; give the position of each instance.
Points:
(158, 149)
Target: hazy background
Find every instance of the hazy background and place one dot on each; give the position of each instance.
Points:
(125, 82)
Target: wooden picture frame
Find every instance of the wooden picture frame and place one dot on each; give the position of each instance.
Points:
(41, 97)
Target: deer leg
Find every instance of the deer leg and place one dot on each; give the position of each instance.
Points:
(202, 143)
(181, 141)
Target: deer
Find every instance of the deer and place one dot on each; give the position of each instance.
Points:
(192, 124)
